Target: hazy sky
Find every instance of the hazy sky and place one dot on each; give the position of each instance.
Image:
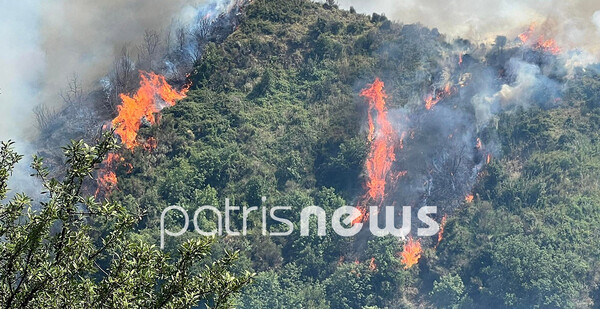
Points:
(573, 23)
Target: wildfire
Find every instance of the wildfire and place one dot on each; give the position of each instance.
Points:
(144, 104)
(546, 45)
(364, 215)
(436, 96)
(383, 139)
(488, 159)
(411, 253)
(150, 144)
(154, 94)
(469, 198)
(441, 232)
(372, 265)
(460, 59)
(107, 179)
(525, 36)
(478, 144)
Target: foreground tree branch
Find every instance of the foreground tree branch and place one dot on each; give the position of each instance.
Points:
(70, 251)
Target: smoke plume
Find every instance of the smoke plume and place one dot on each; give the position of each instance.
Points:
(46, 43)
(85, 37)
(22, 62)
(572, 23)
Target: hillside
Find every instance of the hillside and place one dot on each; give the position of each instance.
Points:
(503, 139)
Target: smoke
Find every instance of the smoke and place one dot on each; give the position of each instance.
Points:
(85, 37)
(22, 62)
(596, 20)
(46, 43)
(569, 22)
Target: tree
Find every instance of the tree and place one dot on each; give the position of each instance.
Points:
(69, 251)
(448, 292)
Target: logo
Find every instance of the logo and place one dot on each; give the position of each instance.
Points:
(345, 221)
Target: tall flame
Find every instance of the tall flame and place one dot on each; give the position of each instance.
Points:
(383, 139)
(411, 253)
(478, 144)
(144, 104)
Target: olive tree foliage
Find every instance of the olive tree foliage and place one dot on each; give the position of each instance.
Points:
(70, 251)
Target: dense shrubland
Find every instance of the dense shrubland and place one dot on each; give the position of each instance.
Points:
(273, 111)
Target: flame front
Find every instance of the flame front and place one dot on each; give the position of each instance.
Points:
(154, 94)
(545, 45)
(383, 139)
(144, 104)
(549, 46)
(411, 253)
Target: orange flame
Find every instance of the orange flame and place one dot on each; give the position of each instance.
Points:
(549, 46)
(441, 232)
(469, 198)
(144, 104)
(460, 59)
(478, 144)
(150, 144)
(411, 253)
(107, 179)
(525, 36)
(437, 95)
(364, 216)
(383, 140)
(488, 159)
(372, 265)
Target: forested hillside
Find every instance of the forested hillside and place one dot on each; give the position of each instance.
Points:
(503, 138)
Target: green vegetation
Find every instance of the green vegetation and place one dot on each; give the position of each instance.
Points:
(274, 111)
(67, 251)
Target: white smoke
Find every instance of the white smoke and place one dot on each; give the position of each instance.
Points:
(45, 43)
(596, 20)
(569, 22)
(85, 37)
(22, 63)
